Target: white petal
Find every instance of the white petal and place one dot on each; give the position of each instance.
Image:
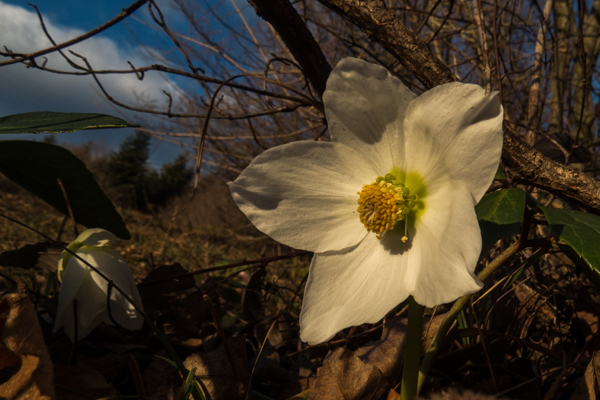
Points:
(365, 107)
(353, 286)
(128, 318)
(91, 307)
(71, 282)
(91, 304)
(115, 268)
(96, 237)
(445, 247)
(455, 129)
(82, 330)
(304, 194)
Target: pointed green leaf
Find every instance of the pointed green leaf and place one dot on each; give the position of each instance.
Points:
(500, 214)
(37, 167)
(579, 230)
(54, 122)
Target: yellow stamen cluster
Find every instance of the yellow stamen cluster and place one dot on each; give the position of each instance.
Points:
(380, 206)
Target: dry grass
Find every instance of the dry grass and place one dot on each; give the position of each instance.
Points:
(197, 233)
(549, 313)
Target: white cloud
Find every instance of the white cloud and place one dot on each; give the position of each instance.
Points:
(27, 89)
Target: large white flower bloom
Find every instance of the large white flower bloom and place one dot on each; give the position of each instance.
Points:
(90, 290)
(388, 205)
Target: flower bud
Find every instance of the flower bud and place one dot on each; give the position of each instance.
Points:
(82, 301)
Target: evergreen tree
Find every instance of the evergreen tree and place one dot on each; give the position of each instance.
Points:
(171, 181)
(127, 169)
(128, 165)
(140, 186)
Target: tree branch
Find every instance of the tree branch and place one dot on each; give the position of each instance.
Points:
(298, 39)
(382, 25)
(126, 12)
(524, 164)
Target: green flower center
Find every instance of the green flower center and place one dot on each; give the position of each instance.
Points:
(389, 200)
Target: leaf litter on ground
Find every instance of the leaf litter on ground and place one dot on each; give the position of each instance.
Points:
(237, 328)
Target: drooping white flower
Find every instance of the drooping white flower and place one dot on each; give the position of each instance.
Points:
(388, 205)
(90, 290)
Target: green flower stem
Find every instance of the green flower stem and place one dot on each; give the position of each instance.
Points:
(412, 351)
(436, 343)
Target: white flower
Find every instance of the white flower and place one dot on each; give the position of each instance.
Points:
(410, 168)
(90, 290)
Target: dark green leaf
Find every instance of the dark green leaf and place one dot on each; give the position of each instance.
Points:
(500, 214)
(54, 122)
(38, 166)
(188, 386)
(579, 230)
(44, 255)
(500, 174)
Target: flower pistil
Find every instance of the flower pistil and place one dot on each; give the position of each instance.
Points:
(383, 203)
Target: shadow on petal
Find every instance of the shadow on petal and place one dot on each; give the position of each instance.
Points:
(256, 199)
(392, 240)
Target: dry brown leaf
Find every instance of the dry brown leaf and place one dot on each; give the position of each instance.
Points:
(430, 329)
(44, 255)
(589, 386)
(215, 373)
(74, 381)
(297, 390)
(252, 297)
(467, 395)
(164, 280)
(268, 367)
(393, 395)
(275, 337)
(344, 376)
(161, 379)
(366, 373)
(533, 302)
(22, 346)
(254, 304)
(386, 354)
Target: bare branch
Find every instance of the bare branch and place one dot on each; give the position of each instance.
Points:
(296, 36)
(17, 58)
(536, 75)
(524, 164)
(382, 25)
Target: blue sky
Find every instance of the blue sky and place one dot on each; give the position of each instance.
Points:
(25, 90)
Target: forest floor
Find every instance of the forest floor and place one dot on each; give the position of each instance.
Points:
(531, 333)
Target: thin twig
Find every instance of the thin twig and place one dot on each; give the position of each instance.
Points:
(205, 130)
(17, 58)
(498, 76)
(137, 379)
(259, 261)
(457, 308)
(533, 103)
(485, 348)
(221, 333)
(439, 29)
(583, 55)
(429, 14)
(262, 346)
(298, 39)
(109, 306)
(479, 22)
(64, 192)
